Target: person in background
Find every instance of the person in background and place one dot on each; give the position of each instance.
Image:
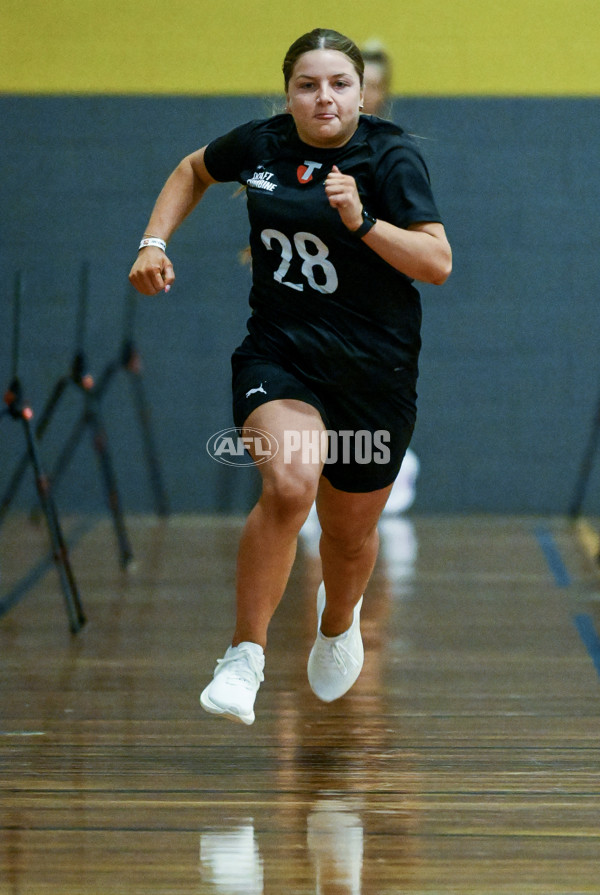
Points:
(378, 79)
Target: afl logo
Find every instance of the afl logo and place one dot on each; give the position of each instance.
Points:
(233, 449)
(304, 172)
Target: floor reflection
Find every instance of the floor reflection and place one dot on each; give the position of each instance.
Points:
(398, 549)
(230, 860)
(335, 844)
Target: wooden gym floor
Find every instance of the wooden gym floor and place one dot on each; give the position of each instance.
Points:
(465, 760)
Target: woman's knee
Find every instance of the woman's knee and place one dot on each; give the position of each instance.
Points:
(290, 490)
(349, 521)
(349, 537)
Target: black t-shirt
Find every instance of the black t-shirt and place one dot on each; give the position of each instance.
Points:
(322, 299)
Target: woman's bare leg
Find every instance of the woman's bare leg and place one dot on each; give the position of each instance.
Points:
(349, 545)
(268, 544)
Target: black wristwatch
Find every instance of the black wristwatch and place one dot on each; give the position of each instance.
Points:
(368, 221)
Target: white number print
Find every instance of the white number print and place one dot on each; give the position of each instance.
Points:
(310, 260)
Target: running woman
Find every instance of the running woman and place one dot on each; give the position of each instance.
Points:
(342, 222)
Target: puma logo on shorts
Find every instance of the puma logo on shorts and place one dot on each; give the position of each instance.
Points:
(253, 391)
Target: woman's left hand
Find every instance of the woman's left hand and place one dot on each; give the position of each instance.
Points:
(342, 194)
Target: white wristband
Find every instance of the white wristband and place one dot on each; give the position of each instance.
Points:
(153, 241)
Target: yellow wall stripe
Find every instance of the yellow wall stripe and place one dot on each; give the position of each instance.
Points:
(440, 47)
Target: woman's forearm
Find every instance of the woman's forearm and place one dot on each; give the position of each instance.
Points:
(421, 252)
(152, 270)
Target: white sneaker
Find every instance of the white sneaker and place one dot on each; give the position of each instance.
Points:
(235, 683)
(335, 662)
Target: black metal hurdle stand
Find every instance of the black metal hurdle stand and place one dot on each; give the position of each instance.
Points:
(19, 411)
(586, 465)
(129, 360)
(585, 471)
(89, 419)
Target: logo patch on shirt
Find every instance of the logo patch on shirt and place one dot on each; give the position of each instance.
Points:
(262, 180)
(304, 172)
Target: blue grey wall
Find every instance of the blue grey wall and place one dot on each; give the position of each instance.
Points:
(510, 372)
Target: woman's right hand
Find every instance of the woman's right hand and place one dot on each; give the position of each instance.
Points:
(152, 271)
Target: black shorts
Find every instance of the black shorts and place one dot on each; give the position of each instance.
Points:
(369, 428)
